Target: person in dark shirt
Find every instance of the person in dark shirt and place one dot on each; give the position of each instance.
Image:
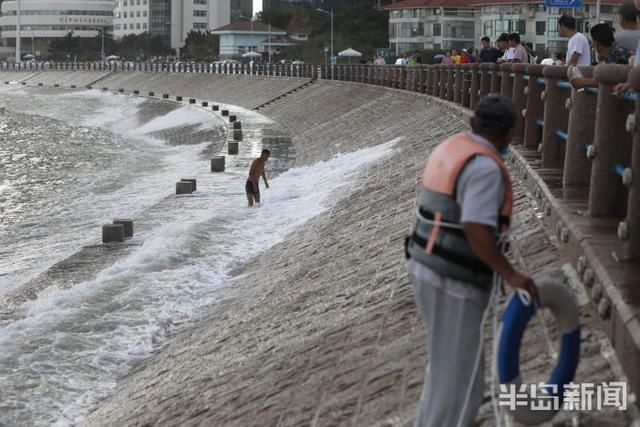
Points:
(607, 51)
(488, 53)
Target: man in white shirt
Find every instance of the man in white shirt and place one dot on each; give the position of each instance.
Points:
(578, 51)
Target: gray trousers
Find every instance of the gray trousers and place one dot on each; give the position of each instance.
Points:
(452, 311)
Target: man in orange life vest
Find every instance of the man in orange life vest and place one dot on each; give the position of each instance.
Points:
(466, 200)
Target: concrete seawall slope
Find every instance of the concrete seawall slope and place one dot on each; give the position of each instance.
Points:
(322, 328)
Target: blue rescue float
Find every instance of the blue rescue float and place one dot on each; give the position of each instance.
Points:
(561, 301)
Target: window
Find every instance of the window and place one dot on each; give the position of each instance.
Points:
(459, 29)
(137, 26)
(487, 29)
(200, 13)
(138, 14)
(199, 25)
(552, 28)
(437, 30)
(144, 25)
(205, 2)
(541, 27)
(144, 13)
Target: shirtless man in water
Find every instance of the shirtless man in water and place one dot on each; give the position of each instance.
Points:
(257, 170)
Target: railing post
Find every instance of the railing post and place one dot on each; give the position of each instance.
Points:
(457, 91)
(556, 117)
(506, 85)
(402, 84)
(582, 119)
(474, 96)
(422, 79)
(612, 143)
(440, 78)
(496, 78)
(535, 108)
(450, 75)
(519, 100)
(632, 243)
(467, 78)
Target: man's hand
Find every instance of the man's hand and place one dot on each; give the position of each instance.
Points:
(580, 82)
(621, 87)
(520, 281)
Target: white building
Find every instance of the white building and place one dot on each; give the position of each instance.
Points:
(131, 17)
(43, 20)
(455, 24)
(202, 15)
(244, 36)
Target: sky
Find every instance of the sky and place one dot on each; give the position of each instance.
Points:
(257, 6)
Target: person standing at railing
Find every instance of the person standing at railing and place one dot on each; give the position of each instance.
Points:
(629, 37)
(448, 59)
(607, 50)
(506, 52)
(578, 50)
(455, 56)
(454, 256)
(488, 53)
(519, 53)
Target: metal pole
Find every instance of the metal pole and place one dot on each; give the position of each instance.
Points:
(18, 53)
(269, 44)
(102, 52)
(332, 35)
(598, 5)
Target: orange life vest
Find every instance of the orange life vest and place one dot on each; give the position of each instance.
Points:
(438, 240)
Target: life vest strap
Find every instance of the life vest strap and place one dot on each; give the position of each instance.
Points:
(474, 264)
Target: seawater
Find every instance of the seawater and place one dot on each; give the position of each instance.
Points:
(70, 161)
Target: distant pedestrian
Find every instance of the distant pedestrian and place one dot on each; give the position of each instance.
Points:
(578, 51)
(488, 53)
(464, 57)
(629, 37)
(255, 172)
(533, 56)
(519, 54)
(455, 56)
(503, 47)
(448, 58)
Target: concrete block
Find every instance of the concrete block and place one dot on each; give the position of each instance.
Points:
(237, 134)
(217, 164)
(165, 96)
(215, 108)
(112, 233)
(183, 187)
(127, 224)
(233, 118)
(205, 104)
(192, 101)
(192, 181)
(105, 89)
(178, 98)
(233, 147)
(237, 125)
(136, 92)
(73, 86)
(225, 113)
(152, 94)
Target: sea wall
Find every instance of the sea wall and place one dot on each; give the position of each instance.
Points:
(322, 328)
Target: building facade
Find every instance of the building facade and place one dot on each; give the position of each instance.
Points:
(456, 24)
(42, 20)
(199, 15)
(131, 17)
(241, 37)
